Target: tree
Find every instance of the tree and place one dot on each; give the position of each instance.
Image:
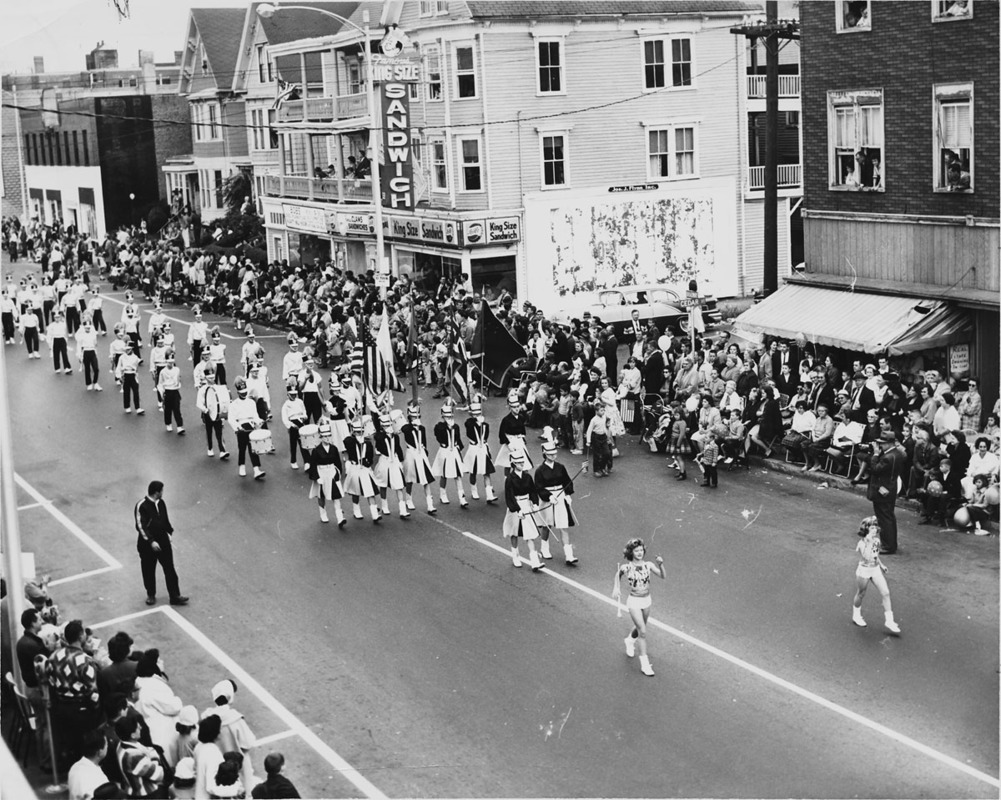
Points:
(235, 189)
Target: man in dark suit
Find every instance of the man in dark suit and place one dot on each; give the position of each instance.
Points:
(633, 334)
(821, 394)
(610, 350)
(653, 371)
(886, 464)
(785, 355)
(154, 529)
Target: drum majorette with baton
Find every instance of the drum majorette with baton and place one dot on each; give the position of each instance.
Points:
(448, 460)
(522, 499)
(477, 461)
(511, 434)
(555, 486)
(416, 466)
(325, 470)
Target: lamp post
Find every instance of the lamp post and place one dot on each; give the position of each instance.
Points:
(132, 208)
(268, 10)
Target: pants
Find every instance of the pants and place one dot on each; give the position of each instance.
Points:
(130, 390)
(243, 446)
(40, 316)
(712, 475)
(196, 351)
(220, 374)
(7, 320)
(70, 723)
(90, 366)
(72, 319)
(148, 559)
(314, 408)
(156, 382)
(213, 426)
(884, 509)
(601, 452)
(293, 444)
(59, 354)
(47, 306)
(98, 320)
(31, 340)
(136, 343)
(172, 407)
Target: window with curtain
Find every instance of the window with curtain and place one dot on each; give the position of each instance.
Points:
(855, 140)
(953, 168)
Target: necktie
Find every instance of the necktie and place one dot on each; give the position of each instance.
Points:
(214, 414)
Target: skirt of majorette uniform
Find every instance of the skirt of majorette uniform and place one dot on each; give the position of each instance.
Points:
(358, 481)
(416, 467)
(447, 463)
(388, 473)
(558, 512)
(328, 486)
(340, 431)
(477, 460)
(523, 527)
(514, 443)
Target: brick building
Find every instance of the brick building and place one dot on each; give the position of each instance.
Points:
(13, 165)
(901, 186)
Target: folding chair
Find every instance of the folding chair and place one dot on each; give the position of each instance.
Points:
(22, 731)
(840, 456)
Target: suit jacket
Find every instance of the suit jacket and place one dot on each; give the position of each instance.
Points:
(152, 521)
(823, 395)
(653, 372)
(886, 464)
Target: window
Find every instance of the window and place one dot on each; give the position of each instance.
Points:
(431, 8)
(213, 121)
(465, 72)
(434, 73)
(947, 10)
(550, 66)
(554, 159)
(671, 152)
(470, 167)
(265, 69)
(414, 90)
(133, 82)
(439, 166)
(218, 188)
(261, 120)
(86, 149)
(354, 77)
(28, 153)
(655, 72)
(954, 137)
(855, 140)
(76, 148)
(792, 119)
(852, 15)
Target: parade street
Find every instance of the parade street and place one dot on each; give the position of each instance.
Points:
(411, 659)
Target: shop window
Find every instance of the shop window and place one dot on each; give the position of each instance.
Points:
(853, 15)
(954, 138)
(948, 10)
(471, 167)
(465, 72)
(855, 141)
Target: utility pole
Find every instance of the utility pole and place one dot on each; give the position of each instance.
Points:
(772, 32)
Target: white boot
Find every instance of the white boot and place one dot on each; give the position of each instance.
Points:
(410, 502)
(857, 617)
(323, 515)
(546, 552)
(443, 497)
(645, 666)
(630, 645)
(474, 492)
(430, 499)
(568, 550)
(515, 558)
(373, 507)
(533, 560)
(339, 514)
(356, 510)
(385, 506)
(463, 503)
(404, 513)
(258, 473)
(491, 497)
(890, 624)
(243, 471)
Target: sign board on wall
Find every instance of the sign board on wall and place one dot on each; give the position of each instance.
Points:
(305, 218)
(426, 230)
(496, 230)
(397, 171)
(355, 225)
(959, 359)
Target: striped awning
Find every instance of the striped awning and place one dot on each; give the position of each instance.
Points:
(944, 326)
(837, 317)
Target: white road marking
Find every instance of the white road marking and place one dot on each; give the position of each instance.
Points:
(126, 617)
(30, 505)
(81, 576)
(187, 323)
(72, 527)
(275, 737)
(806, 694)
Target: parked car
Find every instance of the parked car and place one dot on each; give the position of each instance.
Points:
(653, 301)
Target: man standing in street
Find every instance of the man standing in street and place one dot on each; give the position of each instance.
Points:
(29, 647)
(886, 464)
(154, 529)
(72, 678)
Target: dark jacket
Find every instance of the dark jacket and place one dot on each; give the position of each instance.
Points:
(276, 786)
(152, 522)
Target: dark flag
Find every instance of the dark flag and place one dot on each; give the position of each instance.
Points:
(494, 348)
(458, 362)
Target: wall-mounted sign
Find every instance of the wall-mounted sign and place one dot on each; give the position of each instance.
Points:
(305, 218)
(427, 230)
(959, 360)
(634, 187)
(498, 230)
(397, 173)
(355, 225)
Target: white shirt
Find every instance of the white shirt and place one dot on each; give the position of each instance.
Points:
(84, 778)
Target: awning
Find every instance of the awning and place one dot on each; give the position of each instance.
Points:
(942, 327)
(837, 317)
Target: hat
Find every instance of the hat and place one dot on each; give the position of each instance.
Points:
(446, 410)
(326, 430)
(37, 595)
(549, 448)
(413, 410)
(188, 716)
(385, 420)
(250, 333)
(517, 458)
(225, 688)
(476, 408)
(513, 399)
(184, 772)
(357, 425)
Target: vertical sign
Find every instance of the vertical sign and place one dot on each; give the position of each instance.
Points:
(397, 173)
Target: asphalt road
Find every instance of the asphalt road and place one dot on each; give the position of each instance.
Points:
(412, 659)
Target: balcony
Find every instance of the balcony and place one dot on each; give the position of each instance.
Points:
(788, 86)
(324, 109)
(790, 177)
(326, 190)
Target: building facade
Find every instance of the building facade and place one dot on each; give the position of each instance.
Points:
(556, 149)
(902, 193)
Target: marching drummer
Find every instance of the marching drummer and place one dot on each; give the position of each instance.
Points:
(217, 356)
(249, 352)
(522, 499)
(116, 349)
(325, 470)
(198, 334)
(169, 386)
(127, 374)
(336, 410)
(213, 401)
(478, 463)
(416, 466)
(309, 390)
(244, 420)
(512, 434)
(555, 488)
(259, 392)
(388, 469)
(292, 362)
(293, 418)
(359, 456)
(157, 362)
(448, 460)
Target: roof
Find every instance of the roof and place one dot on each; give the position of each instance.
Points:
(292, 24)
(528, 9)
(219, 30)
(857, 321)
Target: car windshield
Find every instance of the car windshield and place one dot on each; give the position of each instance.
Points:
(663, 296)
(611, 298)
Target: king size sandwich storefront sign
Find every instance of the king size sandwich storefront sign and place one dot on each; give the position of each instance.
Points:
(394, 75)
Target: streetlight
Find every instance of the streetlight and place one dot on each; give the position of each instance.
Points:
(267, 11)
(132, 208)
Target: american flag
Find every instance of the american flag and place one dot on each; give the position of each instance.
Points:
(458, 362)
(376, 371)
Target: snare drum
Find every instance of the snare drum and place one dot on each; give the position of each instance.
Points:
(260, 442)
(309, 437)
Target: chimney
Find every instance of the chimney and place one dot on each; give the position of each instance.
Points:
(39, 65)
